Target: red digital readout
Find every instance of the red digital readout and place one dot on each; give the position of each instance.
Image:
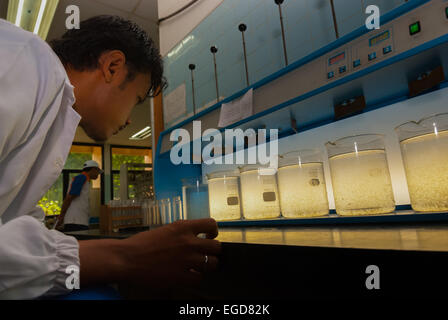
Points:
(337, 58)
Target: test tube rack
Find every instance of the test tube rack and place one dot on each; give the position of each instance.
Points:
(112, 219)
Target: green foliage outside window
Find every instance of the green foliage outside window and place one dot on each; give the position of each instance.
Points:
(52, 200)
(51, 208)
(76, 160)
(117, 161)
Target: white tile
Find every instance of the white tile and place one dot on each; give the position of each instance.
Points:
(125, 5)
(148, 10)
(148, 25)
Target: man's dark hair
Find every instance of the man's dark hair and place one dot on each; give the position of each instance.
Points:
(81, 48)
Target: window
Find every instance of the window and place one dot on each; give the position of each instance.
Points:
(51, 202)
(122, 155)
(80, 154)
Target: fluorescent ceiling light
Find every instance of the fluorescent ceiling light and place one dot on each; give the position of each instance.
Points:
(32, 15)
(43, 4)
(142, 134)
(19, 13)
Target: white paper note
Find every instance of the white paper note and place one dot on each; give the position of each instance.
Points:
(236, 110)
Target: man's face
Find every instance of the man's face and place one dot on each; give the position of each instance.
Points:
(105, 97)
(94, 173)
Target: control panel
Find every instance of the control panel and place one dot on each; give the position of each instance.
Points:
(369, 50)
(337, 64)
(380, 44)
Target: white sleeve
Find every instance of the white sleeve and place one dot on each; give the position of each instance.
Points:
(33, 259)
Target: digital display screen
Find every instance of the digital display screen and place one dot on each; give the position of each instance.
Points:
(379, 38)
(336, 59)
(414, 28)
(446, 12)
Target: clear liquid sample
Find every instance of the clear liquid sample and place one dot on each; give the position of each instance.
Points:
(302, 190)
(426, 165)
(259, 196)
(224, 199)
(362, 183)
(195, 202)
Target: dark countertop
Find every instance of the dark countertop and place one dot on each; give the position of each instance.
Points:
(97, 234)
(413, 237)
(315, 262)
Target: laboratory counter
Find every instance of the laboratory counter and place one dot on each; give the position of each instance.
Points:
(418, 237)
(348, 261)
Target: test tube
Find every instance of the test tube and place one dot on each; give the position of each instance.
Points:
(177, 209)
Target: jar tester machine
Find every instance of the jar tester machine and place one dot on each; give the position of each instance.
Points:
(242, 27)
(360, 102)
(192, 66)
(285, 53)
(214, 50)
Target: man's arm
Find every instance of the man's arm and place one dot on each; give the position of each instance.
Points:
(65, 205)
(26, 244)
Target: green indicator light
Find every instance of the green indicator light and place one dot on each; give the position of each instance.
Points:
(414, 28)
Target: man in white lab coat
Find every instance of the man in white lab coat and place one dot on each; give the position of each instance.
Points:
(93, 77)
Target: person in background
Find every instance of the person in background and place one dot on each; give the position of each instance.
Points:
(75, 209)
(93, 76)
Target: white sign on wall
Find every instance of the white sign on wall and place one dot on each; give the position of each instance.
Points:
(236, 110)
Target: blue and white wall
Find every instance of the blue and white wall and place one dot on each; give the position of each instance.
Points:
(308, 27)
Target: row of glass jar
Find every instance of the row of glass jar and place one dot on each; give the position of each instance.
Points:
(161, 212)
(360, 177)
(154, 212)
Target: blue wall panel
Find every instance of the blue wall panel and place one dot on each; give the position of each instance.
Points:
(308, 27)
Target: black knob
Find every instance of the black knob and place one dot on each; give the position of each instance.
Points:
(192, 66)
(279, 2)
(213, 49)
(242, 27)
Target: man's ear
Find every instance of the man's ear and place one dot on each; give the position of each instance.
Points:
(112, 64)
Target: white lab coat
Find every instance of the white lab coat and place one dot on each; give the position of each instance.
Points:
(37, 126)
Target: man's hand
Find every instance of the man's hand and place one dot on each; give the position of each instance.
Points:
(59, 224)
(173, 254)
(169, 256)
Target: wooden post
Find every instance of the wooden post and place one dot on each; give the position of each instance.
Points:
(158, 122)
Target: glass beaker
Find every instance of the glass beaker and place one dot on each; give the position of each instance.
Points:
(177, 212)
(424, 146)
(165, 210)
(155, 216)
(194, 198)
(259, 193)
(147, 209)
(224, 195)
(301, 184)
(360, 175)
